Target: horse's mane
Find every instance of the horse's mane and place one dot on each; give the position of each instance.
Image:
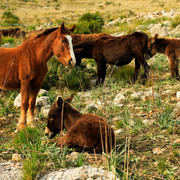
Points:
(47, 31)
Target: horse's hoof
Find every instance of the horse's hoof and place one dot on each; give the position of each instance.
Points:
(21, 126)
(31, 124)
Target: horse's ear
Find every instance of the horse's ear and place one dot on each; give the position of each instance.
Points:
(62, 28)
(154, 38)
(70, 98)
(72, 28)
(59, 102)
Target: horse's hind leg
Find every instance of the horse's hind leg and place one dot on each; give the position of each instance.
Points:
(32, 101)
(177, 68)
(142, 61)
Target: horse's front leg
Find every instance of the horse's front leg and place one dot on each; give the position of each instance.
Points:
(32, 101)
(136, 71)
(25, 86)
(101, 72)
(174, 66)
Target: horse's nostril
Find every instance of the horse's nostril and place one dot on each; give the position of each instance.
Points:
(70, 62)
(47, 134)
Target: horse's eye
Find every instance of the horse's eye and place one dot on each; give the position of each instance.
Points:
(63, 41)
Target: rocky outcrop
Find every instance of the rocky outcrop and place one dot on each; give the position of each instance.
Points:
(80, 173)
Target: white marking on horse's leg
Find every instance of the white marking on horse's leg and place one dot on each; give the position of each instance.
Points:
(69, 38)
(30, 119)
(22, 120)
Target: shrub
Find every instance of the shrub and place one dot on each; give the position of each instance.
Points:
(89, 23)
(52, 77)
(31, 27)
(9, 18)
(7, 40)
(175, 22)
(76, 79)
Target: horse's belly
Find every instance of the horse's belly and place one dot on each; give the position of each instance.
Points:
(9, 80)
(120, 60)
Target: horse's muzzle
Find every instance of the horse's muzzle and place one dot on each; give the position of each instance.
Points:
(70, 63)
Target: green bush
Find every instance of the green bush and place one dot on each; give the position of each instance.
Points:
(76, 79)
(31, 27)
(7, 40)
(52, 77)
(9, 18)
(89, 23)
(175, 22)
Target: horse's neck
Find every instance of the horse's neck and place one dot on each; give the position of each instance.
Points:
(43, 45)
(71, 115)
(161, 45)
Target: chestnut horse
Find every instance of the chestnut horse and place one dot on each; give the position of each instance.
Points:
(168, 46)
(118, 51)
(25, 67)
(85, 131)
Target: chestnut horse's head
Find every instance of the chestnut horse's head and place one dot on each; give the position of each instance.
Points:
(55, 123)
(152, 48)
(63, 48)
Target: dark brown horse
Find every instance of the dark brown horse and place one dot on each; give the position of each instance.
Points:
(118, 51)
(85, 131)
(9, 32)
(168, 46)
(25, 67)
(85, 52)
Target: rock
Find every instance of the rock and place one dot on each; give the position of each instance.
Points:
(86, 94)
(11, 171)
(137, 95)
(91, 107)
(16, 157)
(42, 92)
(147, 122)
(119, 98)
(149, 93)
(42, 101)
(17, 101)
(159, 29)
(176, 111)
(118, 131)
(45, 110)
(178, 95)
(80, 173)
(39, 101)
(158, 150)
(6, 45)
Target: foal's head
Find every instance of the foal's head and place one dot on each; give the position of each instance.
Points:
(63, 48)
(152, 47)
(55, 122)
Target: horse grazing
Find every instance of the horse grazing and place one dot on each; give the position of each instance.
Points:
(168, 46)
(25, 67)
(118, 51)
(9, 32)
(85, 52)
(84, 131)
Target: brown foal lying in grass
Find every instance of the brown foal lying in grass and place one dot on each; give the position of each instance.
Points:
(84, 131)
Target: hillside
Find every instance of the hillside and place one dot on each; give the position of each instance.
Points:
(34, 12)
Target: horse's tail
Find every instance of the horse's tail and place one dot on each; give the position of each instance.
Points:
(146, 51)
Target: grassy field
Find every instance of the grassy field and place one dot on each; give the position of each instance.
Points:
(148, 138)
(32, 12)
